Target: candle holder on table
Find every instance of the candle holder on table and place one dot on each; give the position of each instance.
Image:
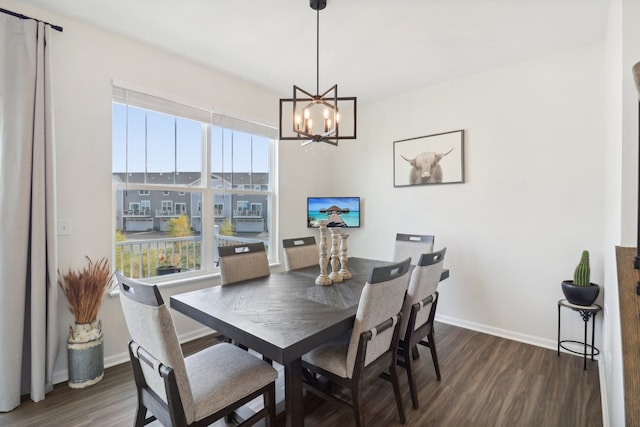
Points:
(335, 275)
(323, 279)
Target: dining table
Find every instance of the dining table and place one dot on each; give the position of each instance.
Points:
(282, 316)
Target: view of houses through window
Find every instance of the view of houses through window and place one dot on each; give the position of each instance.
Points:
(168, 219)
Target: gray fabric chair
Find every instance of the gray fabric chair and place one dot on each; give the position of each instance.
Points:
(243, 262)
(419, 311)
(300, 253)
(192, 391)
(370, 348)
(412, 245)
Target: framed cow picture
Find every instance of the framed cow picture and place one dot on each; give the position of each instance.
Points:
(428, 160)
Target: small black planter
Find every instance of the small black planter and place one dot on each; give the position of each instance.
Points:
(580, 295)
(161, 271)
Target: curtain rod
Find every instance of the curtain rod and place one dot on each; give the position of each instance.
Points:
(21, 16)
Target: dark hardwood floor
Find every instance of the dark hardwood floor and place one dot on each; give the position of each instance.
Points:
(486, 381)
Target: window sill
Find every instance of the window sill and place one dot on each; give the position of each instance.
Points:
(184, 279)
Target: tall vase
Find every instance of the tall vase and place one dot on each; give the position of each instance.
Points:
(85, 354)
(335, 275)
(323, 278)
(344, 257)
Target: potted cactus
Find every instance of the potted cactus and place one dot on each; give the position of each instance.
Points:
(580, 290)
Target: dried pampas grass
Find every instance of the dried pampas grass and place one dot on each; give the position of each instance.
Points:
(85, 288)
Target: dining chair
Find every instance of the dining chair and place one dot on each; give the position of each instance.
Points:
(412, 245)
(243, 262)
(187, 391)
(371, 346)
(419, 310)
(300, 253)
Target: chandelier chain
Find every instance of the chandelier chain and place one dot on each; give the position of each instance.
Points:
(318, 52)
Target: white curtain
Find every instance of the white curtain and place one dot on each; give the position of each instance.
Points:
(28, 259)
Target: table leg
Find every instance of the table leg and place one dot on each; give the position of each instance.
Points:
(586, 321)
(558, 330)
(593, 333)
(294, 409)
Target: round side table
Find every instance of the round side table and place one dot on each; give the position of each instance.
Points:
(586, 312)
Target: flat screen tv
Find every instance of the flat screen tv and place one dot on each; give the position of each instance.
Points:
(339, 211)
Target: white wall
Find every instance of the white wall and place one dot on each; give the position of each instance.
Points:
(621, 195)
(611, 363)
(533, 197)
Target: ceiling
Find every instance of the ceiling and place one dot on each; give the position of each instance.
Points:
(370, 48)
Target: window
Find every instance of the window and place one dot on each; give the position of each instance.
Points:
(166, 206)
(158, 148)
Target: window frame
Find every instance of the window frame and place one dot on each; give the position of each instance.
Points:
(209, 191)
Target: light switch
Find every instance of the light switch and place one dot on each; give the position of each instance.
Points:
(64, 227)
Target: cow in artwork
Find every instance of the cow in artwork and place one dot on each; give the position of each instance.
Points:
(425, 168)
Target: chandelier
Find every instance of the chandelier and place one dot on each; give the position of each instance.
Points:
(324, 117)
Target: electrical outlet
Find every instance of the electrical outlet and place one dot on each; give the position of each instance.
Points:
(64, 227)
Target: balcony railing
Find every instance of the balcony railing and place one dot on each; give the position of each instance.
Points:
(247, 213)
(136, 213)
(140, 258)
(169, 213)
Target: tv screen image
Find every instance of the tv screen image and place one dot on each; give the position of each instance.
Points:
(339, 211)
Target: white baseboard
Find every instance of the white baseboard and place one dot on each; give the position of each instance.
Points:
(503, 333)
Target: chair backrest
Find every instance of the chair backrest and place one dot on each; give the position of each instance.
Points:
(381, 299)
(151, 327)
(300, 253)
(412, 245)
(423, 282)
(243, 262)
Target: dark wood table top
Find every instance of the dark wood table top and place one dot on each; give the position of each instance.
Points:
(282, 316)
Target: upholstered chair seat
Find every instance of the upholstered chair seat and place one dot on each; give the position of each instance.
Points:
(193, 391)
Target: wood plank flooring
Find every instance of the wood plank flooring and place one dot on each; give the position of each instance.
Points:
(629, 331)
(486, 381)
